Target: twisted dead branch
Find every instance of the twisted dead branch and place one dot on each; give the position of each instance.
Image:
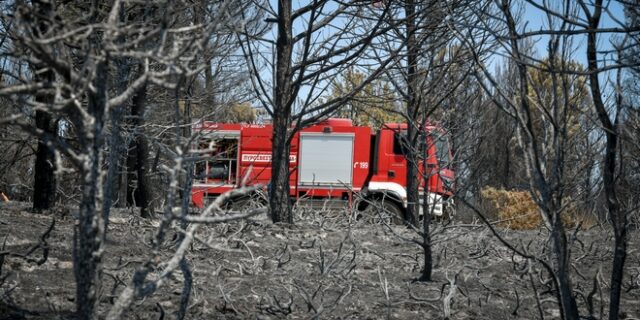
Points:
(139, 287)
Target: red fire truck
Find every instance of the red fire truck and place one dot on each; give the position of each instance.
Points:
(333, 159)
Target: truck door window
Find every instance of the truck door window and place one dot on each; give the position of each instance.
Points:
(400, 143)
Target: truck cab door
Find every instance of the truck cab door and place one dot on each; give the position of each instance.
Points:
(391, 162)
(397, 171)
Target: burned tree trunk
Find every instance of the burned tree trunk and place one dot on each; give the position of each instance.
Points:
(412, 111)
(89, 232)
(543, 187)
(320, 52)
(138, 160)
(44, 188)
(561, 257)
(427, 217)
(116, 149)
(279, 188)
(113, 188)
(611, 128)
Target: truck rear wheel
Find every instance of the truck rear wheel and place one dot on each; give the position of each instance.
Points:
(254, 200)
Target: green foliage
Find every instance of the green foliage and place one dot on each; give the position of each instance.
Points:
(241, 112)
(373, 106)
(569, 95)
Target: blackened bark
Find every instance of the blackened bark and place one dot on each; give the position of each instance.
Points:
(413, 194)
(209, 84)
(186, 289)
(116, 149)
(185, 194)
(563, 270)
(208, 78)
(507, 167)
(538, 183)
(617, 273)
(618, 216)
(123, 178)
(427, 270)
(44, 188)
(131, 175)
(142, 154)
(412, 111)
(89, 232)
(279, 189)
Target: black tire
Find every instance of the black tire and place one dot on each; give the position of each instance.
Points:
(395, 211)
(247, 202)
(244, 202)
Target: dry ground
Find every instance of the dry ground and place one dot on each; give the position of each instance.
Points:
(323, 267)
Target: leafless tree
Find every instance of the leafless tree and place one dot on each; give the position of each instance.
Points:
(311, 44)
(433, 67)
(630, 94)
(545, 158)
(44, 189)
(610, 119)
(79, 50)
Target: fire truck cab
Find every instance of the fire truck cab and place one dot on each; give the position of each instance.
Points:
(332, 159)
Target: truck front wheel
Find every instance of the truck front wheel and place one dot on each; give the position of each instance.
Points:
(379, 211)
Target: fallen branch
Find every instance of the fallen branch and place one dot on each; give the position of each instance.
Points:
(138, 288)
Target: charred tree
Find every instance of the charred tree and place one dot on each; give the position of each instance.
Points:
(81, 50)
(116, 148)
(138, 161)
(427, 269)
(89, 232)
(413, 108)
(302, 58)
(44, 188)
(609, 170)
(543, 186)
(279, 189)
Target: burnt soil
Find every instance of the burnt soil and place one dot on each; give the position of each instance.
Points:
(325, 266)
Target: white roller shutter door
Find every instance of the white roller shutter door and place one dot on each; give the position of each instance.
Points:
(326, 159)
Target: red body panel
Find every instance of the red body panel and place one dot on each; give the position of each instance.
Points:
(254, 155)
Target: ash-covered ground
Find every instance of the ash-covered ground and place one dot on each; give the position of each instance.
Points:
(325, 266)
